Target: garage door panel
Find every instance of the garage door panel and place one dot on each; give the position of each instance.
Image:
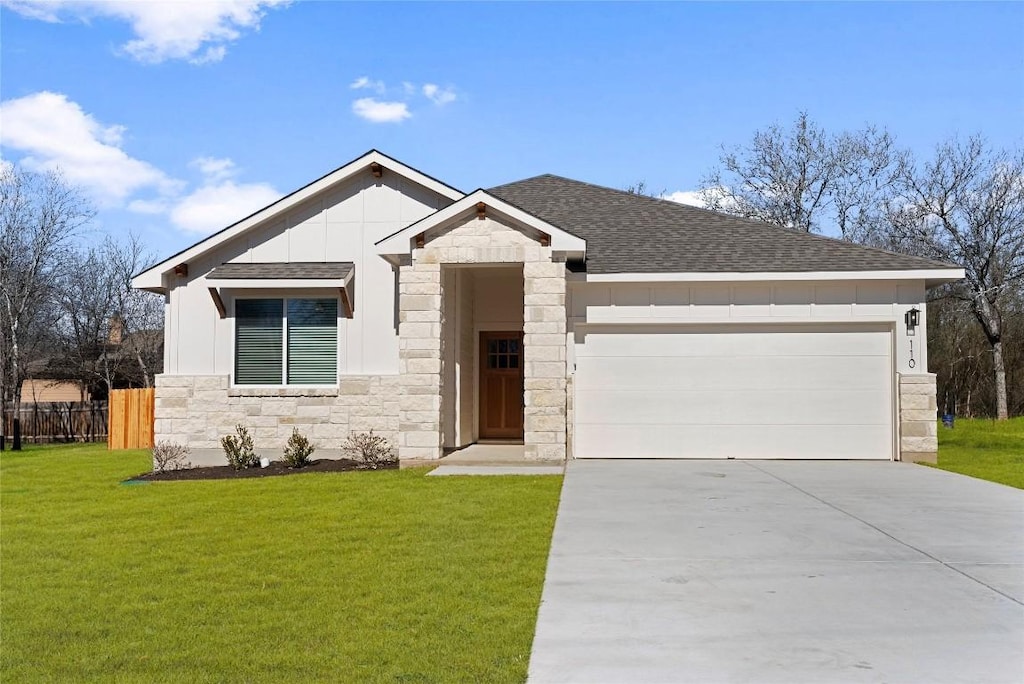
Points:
(726, 392)
(732, 345)
(720, 373)
(738, 441)
(768, 407)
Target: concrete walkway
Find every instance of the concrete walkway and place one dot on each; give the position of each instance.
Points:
(496, 469)
(753, 571)
(493, 459)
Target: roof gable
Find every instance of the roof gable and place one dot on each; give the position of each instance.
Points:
(153, 277)
(628, 233)
(403, 241)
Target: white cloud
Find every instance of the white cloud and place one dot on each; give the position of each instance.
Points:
(438, 95)
(148, 206)
(217, 205)
(197, 31)
(376, 111)
(365, 83)
(214, 169)
(694, 198)
(219, 200)
(698, 198)
(53, 132)
(397, 109)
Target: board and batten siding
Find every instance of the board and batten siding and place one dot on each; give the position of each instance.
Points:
(340, 224)
(752, 303)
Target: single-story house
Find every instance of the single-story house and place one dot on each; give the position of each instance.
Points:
(577, 320)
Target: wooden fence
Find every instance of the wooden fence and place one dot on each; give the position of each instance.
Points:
(131, 419)
(59, 421)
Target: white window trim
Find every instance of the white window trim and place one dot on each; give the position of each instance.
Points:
(284, 343)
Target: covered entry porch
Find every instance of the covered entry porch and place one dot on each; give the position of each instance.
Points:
(482, 330)
(483, 369)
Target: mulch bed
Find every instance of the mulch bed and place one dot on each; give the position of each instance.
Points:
(275, 469)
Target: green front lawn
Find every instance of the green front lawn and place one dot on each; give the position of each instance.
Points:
(986, 449)
(368, 576)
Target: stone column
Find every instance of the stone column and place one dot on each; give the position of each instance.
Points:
(918, 428)
(544, 376)
(419, 361)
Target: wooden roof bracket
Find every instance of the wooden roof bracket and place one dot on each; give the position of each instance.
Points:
(217, 301)
(346, 303)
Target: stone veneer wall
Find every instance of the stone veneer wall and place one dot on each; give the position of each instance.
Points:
(197, 410)
(570, 416)
(422, 315)
(918, 427)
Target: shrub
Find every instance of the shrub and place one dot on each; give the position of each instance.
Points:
(170, 456)
(369, 449)
(239, 449)
(298, 450)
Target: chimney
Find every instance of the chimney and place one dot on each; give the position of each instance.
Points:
(116, 334)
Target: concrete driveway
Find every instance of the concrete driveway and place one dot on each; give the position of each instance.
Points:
(755, 571)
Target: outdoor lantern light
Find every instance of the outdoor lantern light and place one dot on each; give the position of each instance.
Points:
(913, 319)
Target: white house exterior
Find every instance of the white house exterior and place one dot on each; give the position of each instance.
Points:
(580, 321)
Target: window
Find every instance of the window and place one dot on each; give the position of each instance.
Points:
(286, 341)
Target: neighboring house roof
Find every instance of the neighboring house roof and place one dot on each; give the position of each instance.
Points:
(299, 270)
(629, 233)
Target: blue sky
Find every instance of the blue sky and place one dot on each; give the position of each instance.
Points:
(178, 119)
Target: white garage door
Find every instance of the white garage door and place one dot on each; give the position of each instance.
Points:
(726, 392)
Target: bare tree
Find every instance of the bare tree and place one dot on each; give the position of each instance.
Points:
(643, 189)
(140, 314)
(111, 334)
(805, 178)
(39, 216)
(966, 206)
(87, 300)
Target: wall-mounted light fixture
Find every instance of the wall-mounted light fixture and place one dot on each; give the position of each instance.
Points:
(181, 270)
(912, 319)
(376, 170)
(481, 211)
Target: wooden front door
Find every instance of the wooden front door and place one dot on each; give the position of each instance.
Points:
(501, 385)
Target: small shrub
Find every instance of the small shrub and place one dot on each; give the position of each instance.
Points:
(170, 456)
(239, 449)
(369, 449)
(298, 450)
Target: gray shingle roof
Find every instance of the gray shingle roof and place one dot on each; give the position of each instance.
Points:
(628, 233)
(297, 270)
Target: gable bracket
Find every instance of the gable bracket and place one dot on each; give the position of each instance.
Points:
(346, 304)
(217, 301)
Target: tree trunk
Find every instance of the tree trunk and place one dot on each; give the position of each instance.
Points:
(16, 423)
(142, 367)
(16, 391)
(987, 314)
(999, 368)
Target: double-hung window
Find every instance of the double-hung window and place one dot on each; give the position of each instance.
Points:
(286, 341)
